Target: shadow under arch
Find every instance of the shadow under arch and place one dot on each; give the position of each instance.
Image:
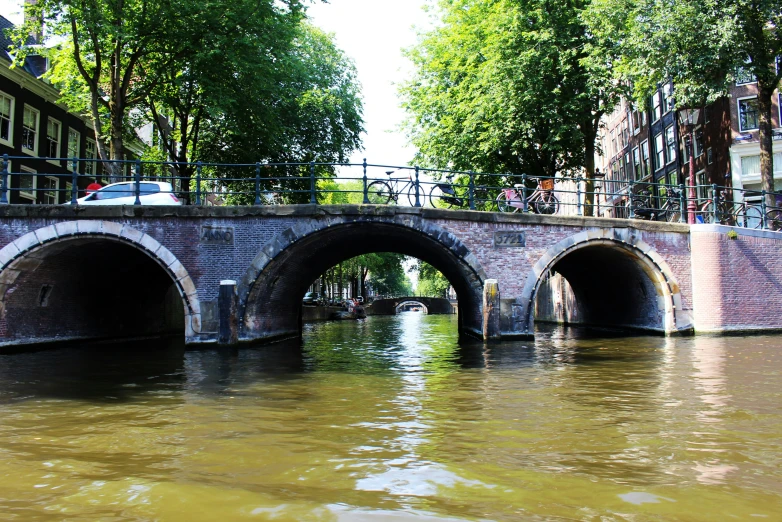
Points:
(115, 276)
(270, 292)
(617, 280)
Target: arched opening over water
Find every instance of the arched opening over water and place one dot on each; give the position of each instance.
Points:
(89, 287)
(410, 305)
(606, 283)
(271, 293)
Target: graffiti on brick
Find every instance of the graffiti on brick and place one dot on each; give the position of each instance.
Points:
(508, 238)
(217, 235)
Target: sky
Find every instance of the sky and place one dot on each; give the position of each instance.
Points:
(372, 33)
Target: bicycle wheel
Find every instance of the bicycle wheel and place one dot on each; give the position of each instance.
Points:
(379, 193)
(503, 204)
(673, 214)
(547, 204)
(748, 216)
(421, 195)
(641, 209)
(774, 219)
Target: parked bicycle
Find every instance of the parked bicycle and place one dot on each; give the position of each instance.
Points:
(741, 214)
(542, 199)
(670, 210)
(382, 192)
(448, 194)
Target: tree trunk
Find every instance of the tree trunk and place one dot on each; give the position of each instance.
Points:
(766, 143)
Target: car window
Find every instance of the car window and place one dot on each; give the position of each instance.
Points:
(123, 190)
(149, 188)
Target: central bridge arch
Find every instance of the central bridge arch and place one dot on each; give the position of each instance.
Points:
(271, 290)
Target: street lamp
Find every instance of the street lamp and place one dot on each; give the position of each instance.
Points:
(598, 187)
(688, 118)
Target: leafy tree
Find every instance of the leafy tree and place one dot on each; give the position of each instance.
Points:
(112, 55)
(508, 86)
(307, 109)
(700, 45)
(431, 282)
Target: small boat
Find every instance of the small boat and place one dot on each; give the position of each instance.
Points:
(358, 312)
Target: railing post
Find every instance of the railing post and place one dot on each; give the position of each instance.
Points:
(257, 183)
(313, 199)
(630, 186)
(579, 208)
(74, 181)
(682, 203)
(763, 209)
(4, 182)
(138, 183)
(198, 183)
(715, 199)
(366, 195)
(417, 187)
(471, 191)
(524, 207)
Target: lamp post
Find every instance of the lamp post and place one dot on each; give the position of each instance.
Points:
(598, 188)
(688, 118)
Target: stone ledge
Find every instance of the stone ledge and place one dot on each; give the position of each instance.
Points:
(325, 211)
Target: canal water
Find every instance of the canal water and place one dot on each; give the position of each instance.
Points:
(392, 419)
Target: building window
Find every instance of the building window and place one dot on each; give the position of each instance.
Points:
(637, 164)
(656, 112)
(645, 157)
(698, 144)
(50, 187)
(625, 133)
(6, 119)
(748, 114)
(670, 141)
(613, 143)
(744, 76)
(710, 155)
(667, 101)
(659, 155)
(90, 152)
(30, 130)
(750, 165)
(28, 184)
(53, 138)
(703, 185)
(74, 138)
(635, 119)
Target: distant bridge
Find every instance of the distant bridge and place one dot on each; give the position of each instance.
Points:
(431, 305)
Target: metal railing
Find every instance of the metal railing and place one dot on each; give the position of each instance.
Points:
(25, 179)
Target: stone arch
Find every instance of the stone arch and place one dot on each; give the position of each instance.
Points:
(403, 302)
(28, 252)
(308, 249)
(626, 242)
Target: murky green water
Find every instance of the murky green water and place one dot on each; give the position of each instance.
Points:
(390, 419)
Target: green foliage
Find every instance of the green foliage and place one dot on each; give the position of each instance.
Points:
(507, 86)
(431, 282)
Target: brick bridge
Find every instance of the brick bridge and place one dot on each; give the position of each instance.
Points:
(106, 272)
(432, 305)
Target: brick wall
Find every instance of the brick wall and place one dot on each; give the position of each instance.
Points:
(737, 282)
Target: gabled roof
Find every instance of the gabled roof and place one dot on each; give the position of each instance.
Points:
(34, 65)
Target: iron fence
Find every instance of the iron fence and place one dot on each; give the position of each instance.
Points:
(24, 179)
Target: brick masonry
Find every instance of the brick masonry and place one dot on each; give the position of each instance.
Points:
(261, 235)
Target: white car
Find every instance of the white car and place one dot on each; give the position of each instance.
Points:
(124, 193)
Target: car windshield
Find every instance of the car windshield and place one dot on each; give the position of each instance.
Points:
(126, 190)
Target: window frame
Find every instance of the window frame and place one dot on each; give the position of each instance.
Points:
(637, 169)
(12, 107)
(645, 158)
(34, 150)
(31, 196)
(757, 110)
(710, 155)
(49, 140)
(656, 107)
(69, 164)
(659, 153)
(670, 145)
(90, 167)
(56, 191)
(667, 98)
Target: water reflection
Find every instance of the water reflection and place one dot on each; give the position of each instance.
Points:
(396, 418)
